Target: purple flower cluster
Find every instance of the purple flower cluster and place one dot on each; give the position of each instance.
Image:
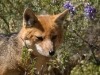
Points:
(90, 11)
(69, 6)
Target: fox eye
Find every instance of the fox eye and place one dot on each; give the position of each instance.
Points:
(54, 37)
(40, 38)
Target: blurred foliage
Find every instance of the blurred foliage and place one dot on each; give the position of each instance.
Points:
(28, 62)
(75, 48)
(86, 69)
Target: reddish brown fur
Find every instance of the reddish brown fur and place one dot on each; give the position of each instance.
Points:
(34, 26)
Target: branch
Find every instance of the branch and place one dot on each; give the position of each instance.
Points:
(91, 46)
(6, 23)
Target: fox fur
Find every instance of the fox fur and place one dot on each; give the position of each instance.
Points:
(41, 33)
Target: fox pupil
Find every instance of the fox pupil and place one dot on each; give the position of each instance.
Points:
(40, 38)
(54, 37)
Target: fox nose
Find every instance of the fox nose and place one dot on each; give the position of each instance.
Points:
(52, 52)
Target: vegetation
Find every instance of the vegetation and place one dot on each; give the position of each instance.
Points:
(80, 51)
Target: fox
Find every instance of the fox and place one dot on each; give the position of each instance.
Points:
(43, 34)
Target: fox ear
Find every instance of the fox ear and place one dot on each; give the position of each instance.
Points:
(29, 18)
(61, 17)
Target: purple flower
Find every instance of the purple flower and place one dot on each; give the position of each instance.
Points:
(72, 10)
(69, 6)
(90, 11)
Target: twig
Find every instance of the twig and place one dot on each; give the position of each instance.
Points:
(91, 46)
(25, 43)
(5, 22)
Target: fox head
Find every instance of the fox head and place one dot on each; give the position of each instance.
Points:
(42, 33)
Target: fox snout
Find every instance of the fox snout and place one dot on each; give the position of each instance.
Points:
(46, 48)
